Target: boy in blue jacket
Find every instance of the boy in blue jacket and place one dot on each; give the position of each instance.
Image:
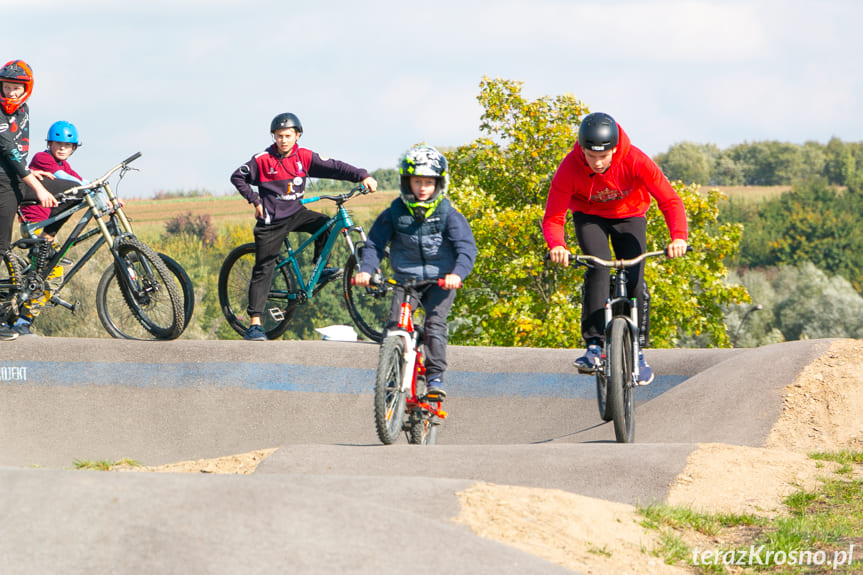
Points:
(428, 239)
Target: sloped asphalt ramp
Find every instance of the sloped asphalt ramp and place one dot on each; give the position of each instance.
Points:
(331, 499)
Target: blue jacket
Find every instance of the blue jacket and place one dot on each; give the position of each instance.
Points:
(442, 244)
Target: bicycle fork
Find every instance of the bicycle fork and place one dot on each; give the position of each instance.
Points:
(632, 324)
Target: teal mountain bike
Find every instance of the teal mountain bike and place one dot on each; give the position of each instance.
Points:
(292, 286)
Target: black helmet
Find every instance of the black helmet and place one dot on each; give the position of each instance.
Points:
(423, 160)
(286, 120)
(598, 132)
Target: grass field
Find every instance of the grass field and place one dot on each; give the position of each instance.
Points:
(230, 210)
(755, 194)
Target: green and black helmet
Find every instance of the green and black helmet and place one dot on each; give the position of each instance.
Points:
(423, 160)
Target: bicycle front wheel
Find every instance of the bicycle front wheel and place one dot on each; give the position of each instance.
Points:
(119, 320)
(149, 293)
(620, 384)
(389, 398)
(369, 307)
(234, 279)
(602, 395)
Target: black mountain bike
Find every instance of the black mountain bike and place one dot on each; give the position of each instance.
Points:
(143, 295)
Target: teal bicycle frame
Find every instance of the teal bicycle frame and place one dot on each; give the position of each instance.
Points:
(340, 223)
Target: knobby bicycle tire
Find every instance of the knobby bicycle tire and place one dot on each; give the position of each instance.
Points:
(389, 401)
(115, 315)
(10, 277)
(369, 307)
(620, 387)
(153, 299)
(235, 276)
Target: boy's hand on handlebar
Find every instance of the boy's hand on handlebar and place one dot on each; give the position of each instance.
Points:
(371, 184)
(676, 248)
(450, 281)
(559, 255)
(362, 279)
(46, 200)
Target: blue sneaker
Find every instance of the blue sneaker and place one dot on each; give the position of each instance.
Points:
(255, 333)
(434, 390)
(22, 326)
(590, 361)
(645, 374)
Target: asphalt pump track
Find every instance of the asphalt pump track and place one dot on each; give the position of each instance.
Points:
(331, 499)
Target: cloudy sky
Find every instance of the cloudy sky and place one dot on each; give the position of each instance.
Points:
(193, 84)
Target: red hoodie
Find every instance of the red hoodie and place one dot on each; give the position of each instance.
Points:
(622, 191)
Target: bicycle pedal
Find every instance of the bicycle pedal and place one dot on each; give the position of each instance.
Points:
(586, 370)
(73, 307)
(278, 314)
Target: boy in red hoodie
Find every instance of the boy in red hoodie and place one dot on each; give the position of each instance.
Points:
(607, 184)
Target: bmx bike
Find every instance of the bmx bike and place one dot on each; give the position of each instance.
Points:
(617, 373)
(401, 401)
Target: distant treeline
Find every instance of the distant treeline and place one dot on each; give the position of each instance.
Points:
(764, 163)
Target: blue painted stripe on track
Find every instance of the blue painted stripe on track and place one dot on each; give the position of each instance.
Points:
(318, 379)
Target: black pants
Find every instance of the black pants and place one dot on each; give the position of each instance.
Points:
(628, 237)
(268, 242)
(9, 198)
(437, 303)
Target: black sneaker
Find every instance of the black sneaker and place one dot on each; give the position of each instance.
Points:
(330, 274)
(7, 333)
(23, 329)
(435, 390)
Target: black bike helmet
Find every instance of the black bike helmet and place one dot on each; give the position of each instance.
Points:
(423, 160)
(286, 120)
(598, 132)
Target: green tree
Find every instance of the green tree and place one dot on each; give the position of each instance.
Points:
(689, 162)
(500, 182)
(840, 162)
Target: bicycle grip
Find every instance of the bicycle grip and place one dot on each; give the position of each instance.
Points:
(132, 158)
(441, 282)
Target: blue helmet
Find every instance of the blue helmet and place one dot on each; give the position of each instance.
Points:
(63, 132)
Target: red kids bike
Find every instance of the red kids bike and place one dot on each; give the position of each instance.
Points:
(400, 400)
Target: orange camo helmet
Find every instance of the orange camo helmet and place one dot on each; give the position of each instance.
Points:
(17, 72)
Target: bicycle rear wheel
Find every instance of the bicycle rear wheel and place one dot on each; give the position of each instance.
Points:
(116, 317)
(10, 274)
(152, 299)
(234, 278)
(423, 426)
(389, 398)
(620, 384)
(369, 307)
